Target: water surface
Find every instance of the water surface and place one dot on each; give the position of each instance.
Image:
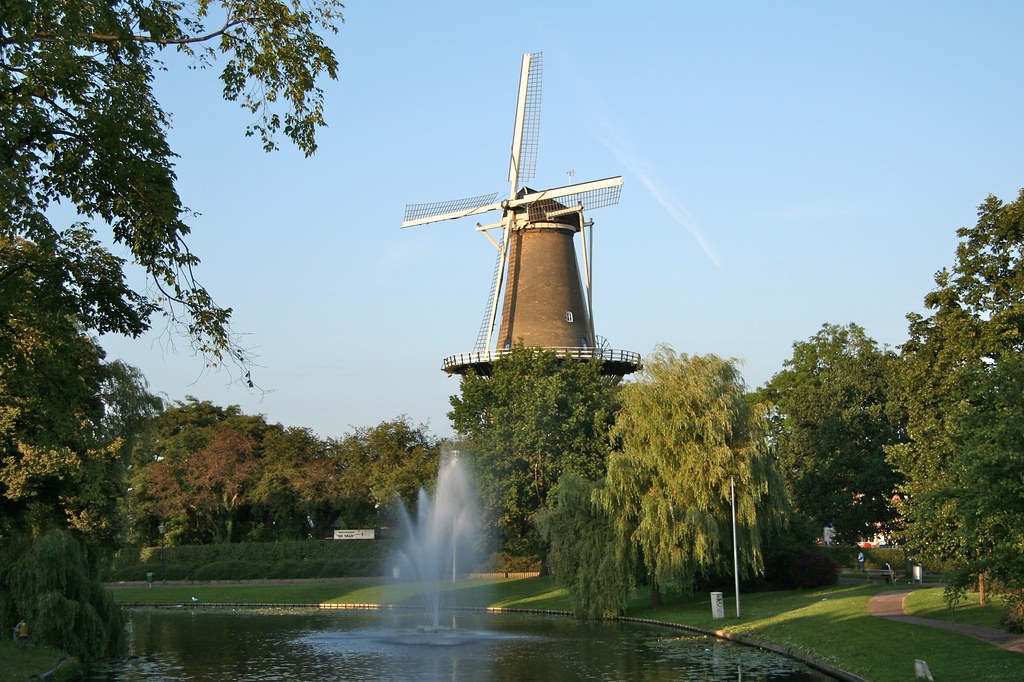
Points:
(200, 644)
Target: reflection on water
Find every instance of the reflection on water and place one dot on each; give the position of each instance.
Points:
(321, 645)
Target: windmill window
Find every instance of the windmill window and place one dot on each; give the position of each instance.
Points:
(568, 316)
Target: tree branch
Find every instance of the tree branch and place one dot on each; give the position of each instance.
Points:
(47, 36)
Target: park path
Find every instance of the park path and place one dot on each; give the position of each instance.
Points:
(890, 605)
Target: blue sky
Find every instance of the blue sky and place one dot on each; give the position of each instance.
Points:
(785, 165)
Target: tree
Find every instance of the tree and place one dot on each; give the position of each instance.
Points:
(832, 423)
(210, 474)
(219, 478)
(297, 493)
(957, 377)
(50, 582)
(191, 458)
(61, 460)
(684, 433)
(56, 468)
(128, 406)
(588, 555)
(534, 419)
(80, 124)
(383, 465)
(985, 482)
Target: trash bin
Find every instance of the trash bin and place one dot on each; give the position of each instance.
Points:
(717, 605)
(149, 579)
(918, 573)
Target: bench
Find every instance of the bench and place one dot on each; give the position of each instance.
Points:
(888, 574)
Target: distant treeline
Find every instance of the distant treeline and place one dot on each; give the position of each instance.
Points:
(203, 474)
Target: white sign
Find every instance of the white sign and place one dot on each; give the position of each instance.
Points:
(366, 534)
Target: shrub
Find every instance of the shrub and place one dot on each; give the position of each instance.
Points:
(1013, 616)
(813, 569)
(502, 561)
(780, 549)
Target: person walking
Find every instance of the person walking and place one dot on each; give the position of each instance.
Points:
(21, 634)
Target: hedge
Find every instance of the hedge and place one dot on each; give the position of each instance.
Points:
(254, 560)
(277, 561)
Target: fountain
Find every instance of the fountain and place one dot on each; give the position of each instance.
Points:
(440, 538)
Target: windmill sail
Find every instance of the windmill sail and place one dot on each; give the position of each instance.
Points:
(526, 133)
(419, 214)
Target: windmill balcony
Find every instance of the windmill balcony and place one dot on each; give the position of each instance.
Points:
(615, 362)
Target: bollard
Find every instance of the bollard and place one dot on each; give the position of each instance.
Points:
(717, 605)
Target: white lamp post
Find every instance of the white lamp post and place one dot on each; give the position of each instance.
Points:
(735, 551)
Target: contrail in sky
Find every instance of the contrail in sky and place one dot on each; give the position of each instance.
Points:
(606, 128)
(668, 201)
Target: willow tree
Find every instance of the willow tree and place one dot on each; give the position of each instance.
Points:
(588, 555)
(685, 433)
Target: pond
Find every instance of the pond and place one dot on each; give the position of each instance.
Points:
(197, 644)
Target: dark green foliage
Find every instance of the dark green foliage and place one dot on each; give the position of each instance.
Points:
(813, 569)
(779, 551)
(512, 563)
(587, 555)
(1013, 616)
(51, 583)
(960, 378)
(160, 571)
(896, 557)
(534, 419)
(229, 570)
(833, 420)
(250, 560)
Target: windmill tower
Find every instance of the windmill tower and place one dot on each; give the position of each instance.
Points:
(546, 301)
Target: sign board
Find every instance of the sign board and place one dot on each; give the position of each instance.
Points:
(365, 534)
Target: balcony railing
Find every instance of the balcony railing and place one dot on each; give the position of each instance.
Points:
(624, 358)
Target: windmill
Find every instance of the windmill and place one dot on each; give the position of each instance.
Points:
(545, 302)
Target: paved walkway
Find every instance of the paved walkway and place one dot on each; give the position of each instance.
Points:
(890, 605)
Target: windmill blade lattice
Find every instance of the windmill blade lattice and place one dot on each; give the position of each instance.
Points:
(531, 120)
(415, 212)
(589, 200)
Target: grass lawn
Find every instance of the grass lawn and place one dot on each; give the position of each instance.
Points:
(929, 604)
(223, 593)
(830, 624)
(534, 593)
(18, 665)
(833, 625)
